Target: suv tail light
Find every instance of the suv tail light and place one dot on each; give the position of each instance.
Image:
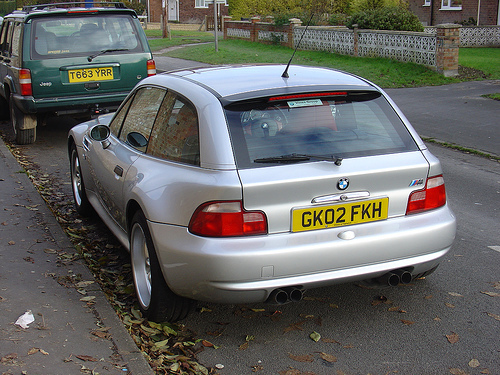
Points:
(151, 67)
(227, 219)
(432, 196)
(25, 82)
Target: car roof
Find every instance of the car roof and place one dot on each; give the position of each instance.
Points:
(240, 82)
(72, 7)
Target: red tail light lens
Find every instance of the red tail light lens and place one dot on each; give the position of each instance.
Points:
(227, 219)
(151, 68)
(25, 82)
(433, 196)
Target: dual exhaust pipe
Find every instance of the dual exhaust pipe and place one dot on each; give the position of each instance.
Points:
(293, 294)
(395, 277)
(284, 295)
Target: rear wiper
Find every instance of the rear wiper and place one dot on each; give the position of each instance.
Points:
(92, 57)
(293, 158)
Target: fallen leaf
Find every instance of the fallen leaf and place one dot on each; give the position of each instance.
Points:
(449, 305)
(86, 358)
(33, 351)
(494, 316)
(474, 363)
(457, 371)
(50, 251)
(207, 344)
(492, 294)
(454, 294)
(301, 358)
(407, 322)
(87, 299)
(295, 327)
(428, 297)
(315, 336)
(453, 338)
(11, 242)
(243, 346)
(328, 357)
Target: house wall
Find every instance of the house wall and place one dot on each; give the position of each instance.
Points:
(187, 11)
(488, 12)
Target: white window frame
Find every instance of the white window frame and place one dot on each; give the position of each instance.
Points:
(447, 5)
(203, 3)
(427, 3)
(200, 4)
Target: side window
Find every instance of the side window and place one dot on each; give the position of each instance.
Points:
(16, 38)
(175, 133)
(117, 121)
(5, 40)
(141, 117)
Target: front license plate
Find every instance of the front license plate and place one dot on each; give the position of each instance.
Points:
(338, 215)
(90, 74)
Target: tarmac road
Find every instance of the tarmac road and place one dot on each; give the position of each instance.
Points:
(362, 337)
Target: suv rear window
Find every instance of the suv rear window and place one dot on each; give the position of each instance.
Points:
(341, 125)
(76, 36)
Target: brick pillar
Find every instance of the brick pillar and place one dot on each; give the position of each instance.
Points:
(225, 19)
(293, 22)
(355, 39)
(447, 45)
(254, 33)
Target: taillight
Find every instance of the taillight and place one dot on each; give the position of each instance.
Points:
(151, 68)
(227, 219)
(25, 82)
(432, 196)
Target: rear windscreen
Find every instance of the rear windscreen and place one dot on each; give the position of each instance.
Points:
(350, 125)
(76, 36)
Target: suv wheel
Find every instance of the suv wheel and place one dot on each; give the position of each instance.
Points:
(18, 118)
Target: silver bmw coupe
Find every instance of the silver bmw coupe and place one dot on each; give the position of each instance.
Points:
(242, 184)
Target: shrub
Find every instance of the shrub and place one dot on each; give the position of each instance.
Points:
(338, 19)
(388, 18)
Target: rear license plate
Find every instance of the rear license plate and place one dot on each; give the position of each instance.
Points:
(90, 74)
(311, 218)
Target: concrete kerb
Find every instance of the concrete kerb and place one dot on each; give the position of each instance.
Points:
(120, 338)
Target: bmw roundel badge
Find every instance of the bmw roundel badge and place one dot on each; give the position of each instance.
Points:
(343, 183)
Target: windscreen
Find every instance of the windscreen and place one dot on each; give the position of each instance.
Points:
(83, 35)
(295, 129)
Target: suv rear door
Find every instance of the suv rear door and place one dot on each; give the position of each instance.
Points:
(85, 54)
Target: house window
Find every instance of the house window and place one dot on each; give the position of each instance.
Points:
(451, 5)
(200, 4)
(204, 3)
(427, 3)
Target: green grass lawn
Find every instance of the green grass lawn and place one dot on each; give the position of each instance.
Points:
(386, 73)
(485, 59)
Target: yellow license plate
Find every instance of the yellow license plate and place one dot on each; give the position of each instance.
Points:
(338, 215)
(90, 74)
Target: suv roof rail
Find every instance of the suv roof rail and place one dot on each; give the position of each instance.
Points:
(84, 4)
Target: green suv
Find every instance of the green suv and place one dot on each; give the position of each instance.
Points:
(69, 59)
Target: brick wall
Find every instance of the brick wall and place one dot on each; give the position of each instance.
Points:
(187, 11)
(488, 12)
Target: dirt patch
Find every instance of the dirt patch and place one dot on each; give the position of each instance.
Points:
(466, 73)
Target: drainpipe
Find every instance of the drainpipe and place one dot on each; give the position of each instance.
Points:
(478, 11)
(432, 13)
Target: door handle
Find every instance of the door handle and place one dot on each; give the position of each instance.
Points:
(118, 170)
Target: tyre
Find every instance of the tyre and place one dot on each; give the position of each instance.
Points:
(82, 204)
(18, 118)
(156, 301)
(4, 109)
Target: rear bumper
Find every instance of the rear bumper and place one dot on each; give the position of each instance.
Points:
(245, 270)
(69, 104)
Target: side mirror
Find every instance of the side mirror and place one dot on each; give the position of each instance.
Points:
(100, 133)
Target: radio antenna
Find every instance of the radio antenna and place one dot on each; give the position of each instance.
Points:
(285, 73)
